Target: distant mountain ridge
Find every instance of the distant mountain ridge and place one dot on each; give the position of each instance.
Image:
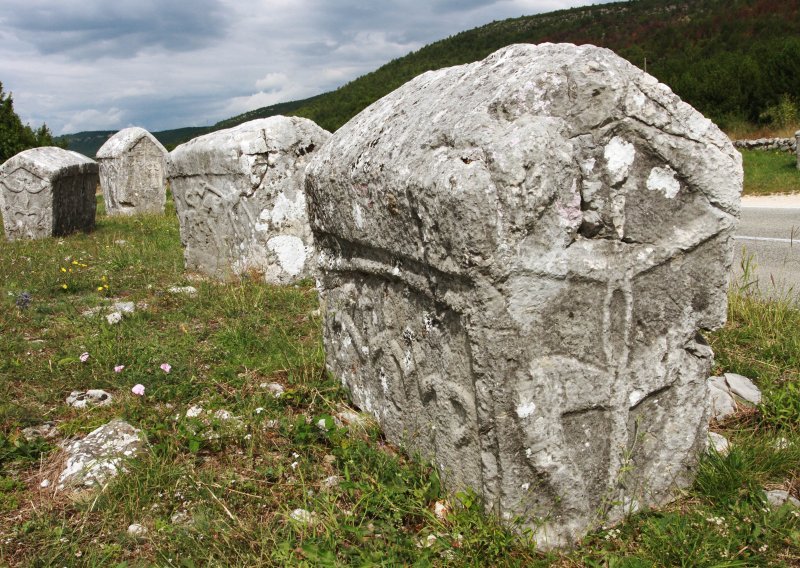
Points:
(734, 60)
(89, 142)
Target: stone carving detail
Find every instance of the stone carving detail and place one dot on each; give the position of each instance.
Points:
(132, 173)
(240, 198)
(47, 192)
(516, 257)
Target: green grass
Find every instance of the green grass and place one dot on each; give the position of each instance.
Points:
(212, 493)
(770, 171)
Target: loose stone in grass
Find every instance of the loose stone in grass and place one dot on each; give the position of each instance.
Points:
(44, 431)
(303, 517)
(719, 443)
(743, 387)
(240, 199)
(517, 257)
(132, 173)
(89, 398)
(778, 498)
(100, 455)
(330, 482)
(276, 389)
(137, 530)
(114, 318)
(185, 290)
(47, 192)
(720, 399)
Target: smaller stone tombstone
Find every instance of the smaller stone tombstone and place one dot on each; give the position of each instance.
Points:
(132, 173)
(48, 192)
(240, 198)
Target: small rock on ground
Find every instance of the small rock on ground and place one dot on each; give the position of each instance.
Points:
(187, 290)
(719, 443)
(46, 431)
(743, 388)
(114, 318)
(722, 403)
(303, 517)
(91, 397)
(99, 456)
(778, 497)
(136, 530)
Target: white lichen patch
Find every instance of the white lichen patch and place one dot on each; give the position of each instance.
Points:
(358, 216)
(635, 397)
(663, 180)
(288, 210)
(619, 156)
(291, 253)
(526, 409)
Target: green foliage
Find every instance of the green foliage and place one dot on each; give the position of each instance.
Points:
(730, 59)
(770, 171)
(15, 136)
(782, 114)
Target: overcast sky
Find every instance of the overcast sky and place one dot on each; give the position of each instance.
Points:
(161, 64)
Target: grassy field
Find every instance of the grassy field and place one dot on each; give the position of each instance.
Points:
(217, 492)
(769, 171)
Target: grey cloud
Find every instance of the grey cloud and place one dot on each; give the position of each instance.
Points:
(118, 29)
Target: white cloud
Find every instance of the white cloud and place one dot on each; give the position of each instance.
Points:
(194, 62)
(272, 82)
(93, 119)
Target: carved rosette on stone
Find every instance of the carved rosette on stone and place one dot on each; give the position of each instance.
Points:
(240, 199)
(132, 173)
(47, 192)
(517, 256)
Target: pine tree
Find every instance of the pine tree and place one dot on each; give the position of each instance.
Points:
(15, 136)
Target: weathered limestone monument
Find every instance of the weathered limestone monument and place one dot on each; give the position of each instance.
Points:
(47, 192)
(132, 173)
(240, 198)
(517, 256)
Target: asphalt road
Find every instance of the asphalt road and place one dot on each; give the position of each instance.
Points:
(769, 237)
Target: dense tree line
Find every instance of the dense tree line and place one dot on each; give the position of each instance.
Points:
(15, 136)
(734, 60)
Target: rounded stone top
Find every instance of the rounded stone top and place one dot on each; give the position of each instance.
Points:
(261, 136)
(536, 145)
(124, 140)
(48, 161)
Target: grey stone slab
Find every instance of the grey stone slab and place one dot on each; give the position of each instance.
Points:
(743, 387)
(99, 456)
(47, 192)
(721, 402)
(241, 202)
(133, 173)
(516, 257)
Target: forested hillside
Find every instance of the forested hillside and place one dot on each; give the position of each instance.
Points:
(734, 60)
(731, 59)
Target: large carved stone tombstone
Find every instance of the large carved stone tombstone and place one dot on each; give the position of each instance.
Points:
(240, 198)
(516, 258)
(132, 173)
(47, 192)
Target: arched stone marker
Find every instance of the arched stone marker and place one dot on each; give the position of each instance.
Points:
(517, 257)
(47, 192)
(241, 202)
(132, 173)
